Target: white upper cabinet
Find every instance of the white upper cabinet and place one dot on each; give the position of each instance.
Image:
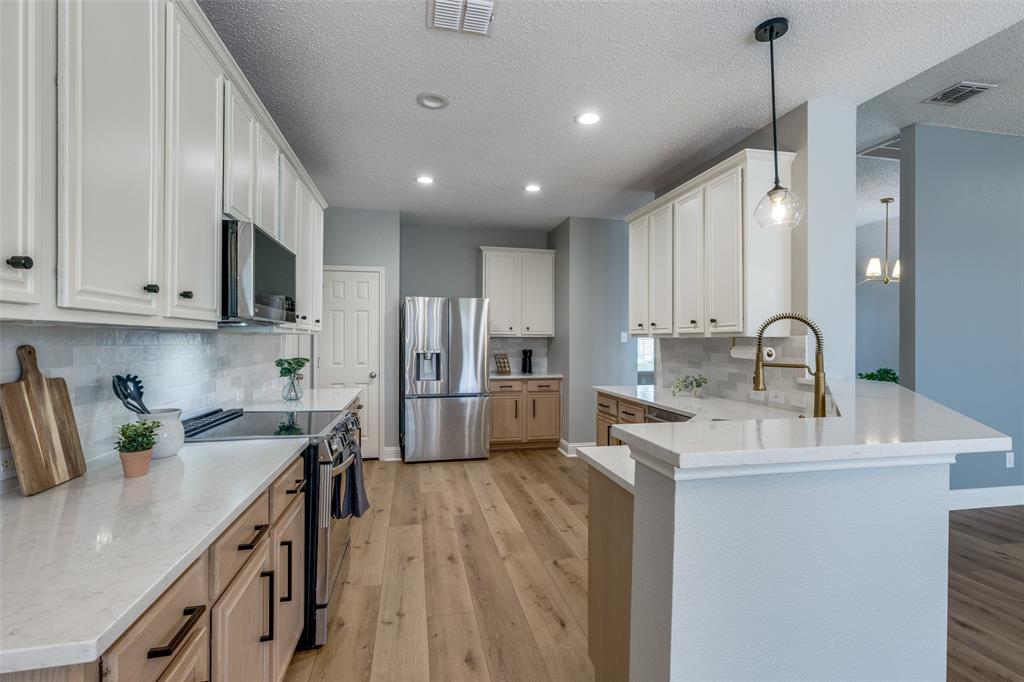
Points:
(288, 213)
(110, 157)
(727, 274)
(304, 261)
(239, 156)
(316, 270)
(723, 234)
(521, 286)
(639, 278)
(195, 96)
(538, 293)
(267, 183)
(19, 150)
(688, 258)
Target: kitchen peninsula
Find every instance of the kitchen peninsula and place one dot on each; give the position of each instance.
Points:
(793, 548)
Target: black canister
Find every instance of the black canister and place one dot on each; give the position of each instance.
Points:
(527, 361)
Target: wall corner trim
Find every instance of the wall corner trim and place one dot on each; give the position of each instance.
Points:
(391, 454)
(979, 498)
(569, 449)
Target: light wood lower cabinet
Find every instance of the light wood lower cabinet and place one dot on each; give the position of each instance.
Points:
(287, 542)
(193, 663)
(243, 622)
(611, 411)
(525, 414)
(604, 429)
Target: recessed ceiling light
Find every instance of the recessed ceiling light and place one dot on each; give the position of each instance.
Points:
(432, 100)
(588, 119)
(425, 180)
(532, 188)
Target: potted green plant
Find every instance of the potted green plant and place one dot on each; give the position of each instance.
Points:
(694, 385)
(135, 441)
(881, 374)
(291, 370)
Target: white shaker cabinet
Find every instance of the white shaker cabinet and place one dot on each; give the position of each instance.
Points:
(538, 294)
(521, 286)
(267, 188)
(304, 259)
(316, 269)
(110, 155)
(688, 256)
(723, 234)
(650, 273)
(20, 149)
(239, 156)
(638, 276)
(195, 96)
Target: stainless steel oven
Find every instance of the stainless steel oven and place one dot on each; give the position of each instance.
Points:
(258, 277)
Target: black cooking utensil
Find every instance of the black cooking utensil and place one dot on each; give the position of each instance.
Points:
(128, 389)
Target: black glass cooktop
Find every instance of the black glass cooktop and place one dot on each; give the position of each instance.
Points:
(238, 425)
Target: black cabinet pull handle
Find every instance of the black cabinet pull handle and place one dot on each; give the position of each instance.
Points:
(151, 288)
(186, 294)
(517, 409)
(631, 414)
(535, 408)
(604, 405)
(194, 613)
(21, 262)
(543, 385)
(270, 606)
(504, 386)
(297, 489)
(261, 530)
(654, 324)
(288, 544)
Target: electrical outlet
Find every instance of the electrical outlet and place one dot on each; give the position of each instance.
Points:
(239, 395)
(776, 397)
(624, 337)
(1009, 459)
(6, 462)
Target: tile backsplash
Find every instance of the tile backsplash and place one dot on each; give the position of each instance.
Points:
(514, 347)
(186, 369)
(730, 377)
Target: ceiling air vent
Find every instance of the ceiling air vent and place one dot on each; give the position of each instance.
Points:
(470, 16)
(890, 149)
(959, 93)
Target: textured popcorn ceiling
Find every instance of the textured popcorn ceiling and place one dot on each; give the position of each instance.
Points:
(675, 82)
(877, 178)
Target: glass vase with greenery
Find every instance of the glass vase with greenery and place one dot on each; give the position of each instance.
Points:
(291, 370)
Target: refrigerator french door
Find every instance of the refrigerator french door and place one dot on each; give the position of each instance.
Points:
(446, 410)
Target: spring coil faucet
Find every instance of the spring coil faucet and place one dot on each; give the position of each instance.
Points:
(819, 358)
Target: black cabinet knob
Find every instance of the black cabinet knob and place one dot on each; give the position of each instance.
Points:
(151, 288)
(640, 324)
(714, 321)
(693, 322)
(654, 324)
(21, 262)
(316, 321)
(527, 329)
(186, 294)
(302, 317)
(510, 328)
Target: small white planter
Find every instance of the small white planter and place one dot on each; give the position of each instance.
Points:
(171, 435)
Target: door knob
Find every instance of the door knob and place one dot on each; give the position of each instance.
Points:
(373, 375)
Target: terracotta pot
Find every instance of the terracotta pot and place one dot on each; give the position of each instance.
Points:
(136, 463)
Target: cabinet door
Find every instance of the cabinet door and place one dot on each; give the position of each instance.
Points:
(195, 91)
(192, 664)
(287, 542)
(239, 156)
(304, 260)
(659, 268)
(316, 270)
(506, 418)
(542, 417)
(267, 178)
(638, 279)
(604, 428)
(538, 297)
(243, 623)
(502, 271)
(288, 214)
(20, 139)
(688, 243)
(110, 155)
(723, 234)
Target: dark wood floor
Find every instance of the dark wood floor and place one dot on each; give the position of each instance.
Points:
(478, 571)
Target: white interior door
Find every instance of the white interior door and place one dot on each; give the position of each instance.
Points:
(350, 353)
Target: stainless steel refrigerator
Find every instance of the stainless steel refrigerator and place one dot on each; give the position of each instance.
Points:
(446, 411)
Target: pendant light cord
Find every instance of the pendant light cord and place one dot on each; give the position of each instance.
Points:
(775, 133)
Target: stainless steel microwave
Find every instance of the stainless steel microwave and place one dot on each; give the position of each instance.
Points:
(259, 277)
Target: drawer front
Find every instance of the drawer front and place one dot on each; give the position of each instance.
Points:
(609, 406)
(511, 386)
(164, 631)
(543, 385)
(193, 663)
(631, 413)
(237, 543)
(286, 488)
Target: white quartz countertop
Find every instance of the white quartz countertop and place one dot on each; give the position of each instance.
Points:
(613, 461)
(313, 400)
(879, 421)
(517, 375)
(81, 562)
(698, 409)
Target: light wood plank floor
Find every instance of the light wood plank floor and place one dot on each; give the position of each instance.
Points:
(478, 571)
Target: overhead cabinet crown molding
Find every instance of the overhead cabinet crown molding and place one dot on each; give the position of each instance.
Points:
(521, 286)
(698, 262)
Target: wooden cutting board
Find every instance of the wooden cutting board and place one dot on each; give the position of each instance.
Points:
(41, 427)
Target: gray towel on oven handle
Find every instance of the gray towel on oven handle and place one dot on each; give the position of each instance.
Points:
(356, 502)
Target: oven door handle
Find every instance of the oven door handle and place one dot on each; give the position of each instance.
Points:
(344, 465)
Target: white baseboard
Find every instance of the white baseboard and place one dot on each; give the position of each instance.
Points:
(569, 449)
(978, 498)
(391, 454)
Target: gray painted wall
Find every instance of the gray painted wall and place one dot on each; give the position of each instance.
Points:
(962, 315)
(591, 290)
(356, 236)
(447, 262)
(878, 305)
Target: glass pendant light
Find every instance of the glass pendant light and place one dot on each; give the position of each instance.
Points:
(877, 270)
(781, 208)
